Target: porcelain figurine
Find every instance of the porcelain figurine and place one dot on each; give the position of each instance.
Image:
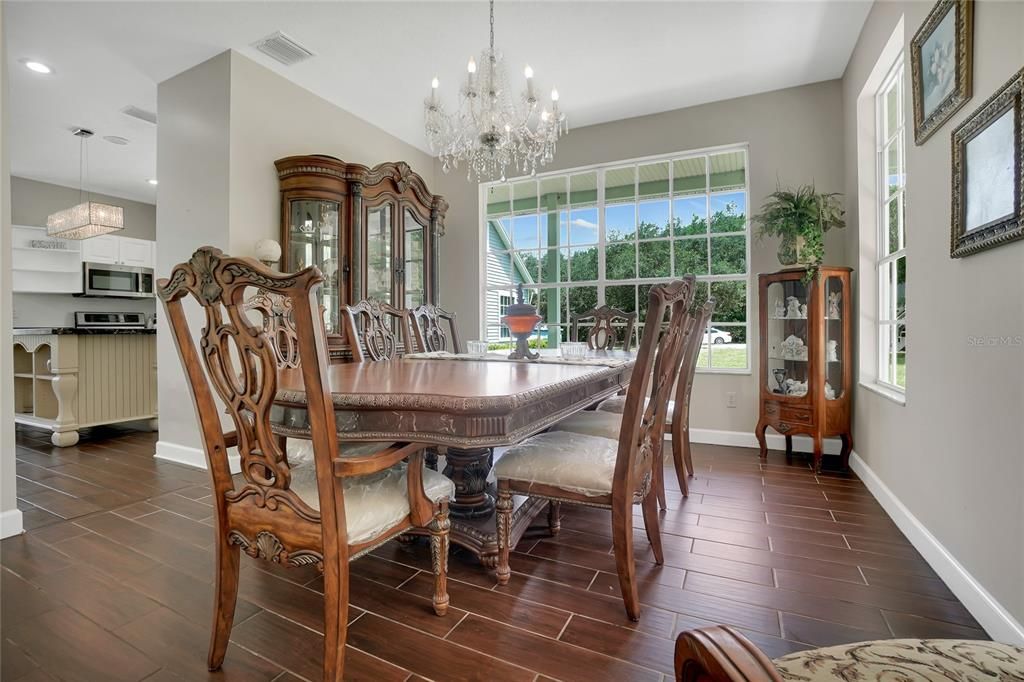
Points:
(803, 311)
(794, 387)
(833, 305)
(780, 309)
(793, 348)
(830, 393)
(793, 307)
(833, 351)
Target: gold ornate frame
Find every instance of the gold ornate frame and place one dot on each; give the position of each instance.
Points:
(1002, 230)
(925, 127)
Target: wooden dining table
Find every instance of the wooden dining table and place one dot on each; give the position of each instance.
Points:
(464, 405)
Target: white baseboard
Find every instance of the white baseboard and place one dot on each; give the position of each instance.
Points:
(10, 523)
(996, 620)
(191, 457)
(745, 439)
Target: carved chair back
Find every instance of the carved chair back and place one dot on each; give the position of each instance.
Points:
(428, 322)
(657, 363)
(274, 312)
(238, 360)
(696, 327)
(377, 330)
(602, 335)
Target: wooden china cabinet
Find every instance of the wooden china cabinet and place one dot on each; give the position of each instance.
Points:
(373, 232)
(806, 358)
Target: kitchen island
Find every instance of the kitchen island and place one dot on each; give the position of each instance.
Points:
(66, 379)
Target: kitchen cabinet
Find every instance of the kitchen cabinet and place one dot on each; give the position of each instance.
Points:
(41, 264)
(115, 250)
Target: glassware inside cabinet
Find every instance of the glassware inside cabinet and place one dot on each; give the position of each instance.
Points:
(834, 338)
(415, 282)
(313, 240)
(379, 266)
(787, 367)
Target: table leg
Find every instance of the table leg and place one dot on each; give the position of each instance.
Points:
(468, 469)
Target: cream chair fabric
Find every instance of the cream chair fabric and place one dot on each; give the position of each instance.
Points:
(617, 402)
(600, 424)
(905, 659)
(572, 461)
(373, 503)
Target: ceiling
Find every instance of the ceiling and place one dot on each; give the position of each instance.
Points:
(609, 60)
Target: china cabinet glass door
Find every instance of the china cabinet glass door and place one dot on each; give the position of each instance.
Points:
(834, 338)
(379, 252)
(413, 266)
(788, 338)
(313, 239)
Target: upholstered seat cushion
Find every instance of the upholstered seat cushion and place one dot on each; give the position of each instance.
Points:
(300, 450)
(592, 423)
(373, 503)
(575, 462)
(905, 659)
(616, 403)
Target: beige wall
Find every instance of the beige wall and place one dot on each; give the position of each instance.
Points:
(954, 454)
(32, 201)
(192, 211)
(10, 517)
(272, 118)
(795, 137)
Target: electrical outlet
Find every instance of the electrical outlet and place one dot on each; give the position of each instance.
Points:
(730, 399)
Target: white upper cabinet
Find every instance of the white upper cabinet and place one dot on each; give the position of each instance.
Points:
(102, 249)
(138, 252)
(115, 250)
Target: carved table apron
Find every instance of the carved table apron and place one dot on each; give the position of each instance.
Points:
(465, 406)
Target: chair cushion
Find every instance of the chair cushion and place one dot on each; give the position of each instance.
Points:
(905, 659)
(375, 502)
(300, 450)
(592, 423)
(617, 402)
(575, 462)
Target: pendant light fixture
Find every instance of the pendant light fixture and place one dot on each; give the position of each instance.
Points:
(89, 218)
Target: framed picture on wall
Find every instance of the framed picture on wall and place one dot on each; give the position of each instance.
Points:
(988, 154)
(941, 56)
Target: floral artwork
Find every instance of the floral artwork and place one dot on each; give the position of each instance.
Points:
(941, 64)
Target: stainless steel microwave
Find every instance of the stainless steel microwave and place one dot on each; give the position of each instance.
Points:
(119, 281)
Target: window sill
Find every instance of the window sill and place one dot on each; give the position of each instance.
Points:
(898, 397)
(724, 370)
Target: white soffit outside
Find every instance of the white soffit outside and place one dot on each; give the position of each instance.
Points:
(609, 60)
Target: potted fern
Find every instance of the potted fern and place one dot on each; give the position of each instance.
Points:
(800, 217)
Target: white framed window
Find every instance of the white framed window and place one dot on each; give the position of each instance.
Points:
(891, 263)
(605, 234)
(504, 301)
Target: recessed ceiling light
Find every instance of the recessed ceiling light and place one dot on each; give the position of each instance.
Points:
(152, 181)
(116, 139)
(37, 67)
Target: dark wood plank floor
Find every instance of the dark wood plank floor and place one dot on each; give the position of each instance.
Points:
(113, 581)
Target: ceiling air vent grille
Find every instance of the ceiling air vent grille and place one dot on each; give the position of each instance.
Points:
(283, 49)
(139, 113)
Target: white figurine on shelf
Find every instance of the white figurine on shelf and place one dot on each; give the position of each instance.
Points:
(793, 348)
(794, 387)
(833, 305)
(803, 311)
(793, 307)
(830, 393)
(780, 309)
(833, 351)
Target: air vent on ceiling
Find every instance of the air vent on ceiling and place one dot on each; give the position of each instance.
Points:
(141, 114)
(116, 139)
(282, 48)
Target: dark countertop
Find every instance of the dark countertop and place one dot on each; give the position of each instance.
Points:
(74, 330)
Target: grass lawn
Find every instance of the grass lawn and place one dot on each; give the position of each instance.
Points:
(724, 356)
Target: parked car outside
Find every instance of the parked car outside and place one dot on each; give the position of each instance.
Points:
(714, 335)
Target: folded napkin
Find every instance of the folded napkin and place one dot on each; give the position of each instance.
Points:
(543, 359)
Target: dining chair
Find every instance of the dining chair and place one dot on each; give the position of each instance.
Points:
(377, 330)
(602, 334)
(567, 467)
(339, 508)
(678, 409)
(427, 323)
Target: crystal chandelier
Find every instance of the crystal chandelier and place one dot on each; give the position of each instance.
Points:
(492, 129)
(89, 218)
